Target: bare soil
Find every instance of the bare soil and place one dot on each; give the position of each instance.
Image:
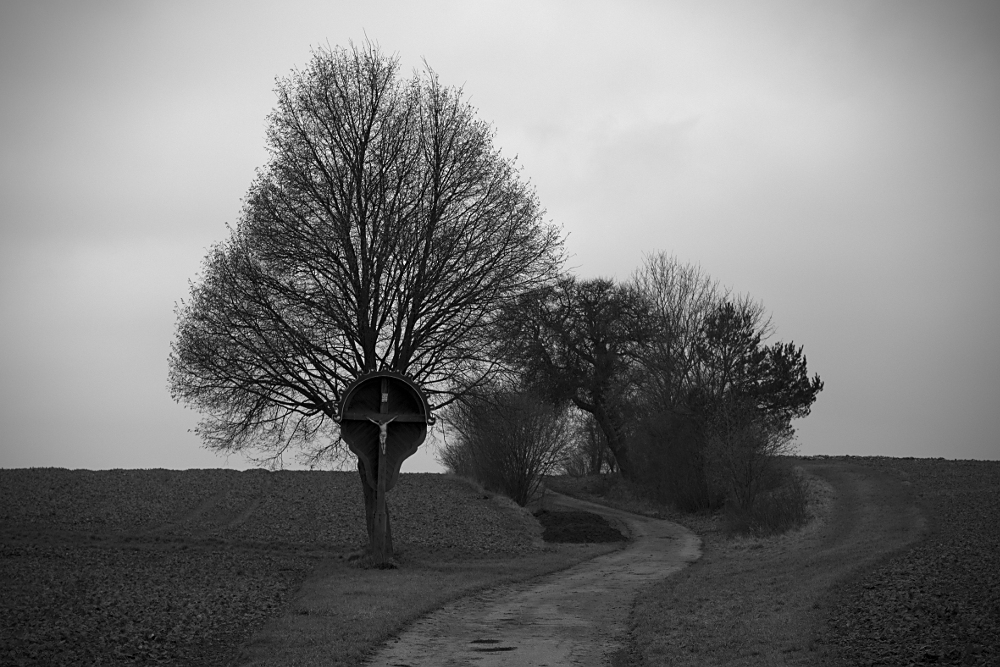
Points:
(182, 567)
(937, 602)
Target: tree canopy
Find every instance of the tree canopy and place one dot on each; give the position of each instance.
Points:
(669, 341)
(384, 233)
(735, 366)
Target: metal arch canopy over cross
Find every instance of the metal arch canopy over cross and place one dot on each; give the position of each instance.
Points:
(373, 402)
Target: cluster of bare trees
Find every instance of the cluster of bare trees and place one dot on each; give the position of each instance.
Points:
(387, 232)
(673, 369)
(669, 377)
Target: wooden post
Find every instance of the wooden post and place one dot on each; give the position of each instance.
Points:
(380, 556)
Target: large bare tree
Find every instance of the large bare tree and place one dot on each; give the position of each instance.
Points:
(581, 341)
(385, 233)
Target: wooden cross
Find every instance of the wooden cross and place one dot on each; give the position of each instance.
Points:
(368, 401)
(382, 419)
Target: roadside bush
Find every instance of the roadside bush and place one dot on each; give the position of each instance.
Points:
(774, 511)
(743, 454)
(731, 460)
(741, 449)
(455, 456)
(506, 440)
(669, 452)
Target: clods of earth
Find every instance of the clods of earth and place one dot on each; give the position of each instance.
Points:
(167, 567)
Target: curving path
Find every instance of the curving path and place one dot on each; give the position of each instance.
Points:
(577, 616)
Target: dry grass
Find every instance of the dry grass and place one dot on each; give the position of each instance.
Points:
(763, 601)
(774, 512)
(743, 605)
(344, 612)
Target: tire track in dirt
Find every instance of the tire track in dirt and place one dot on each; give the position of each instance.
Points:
(190, 517)
(575, 617)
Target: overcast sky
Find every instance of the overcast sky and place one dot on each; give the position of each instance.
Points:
(839, 161)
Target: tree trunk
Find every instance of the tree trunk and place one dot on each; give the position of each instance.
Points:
(616, 442)
(596, 458)
(610, 425)
(597, 448)
(620, 450)
(371, 499)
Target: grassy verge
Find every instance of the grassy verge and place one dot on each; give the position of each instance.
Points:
(343, 612)
(764, 600)
(747, 601)
(777, 510)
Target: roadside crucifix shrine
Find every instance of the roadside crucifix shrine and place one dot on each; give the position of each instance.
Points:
(383, 418)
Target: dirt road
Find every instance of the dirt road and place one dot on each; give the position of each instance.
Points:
(575, 617)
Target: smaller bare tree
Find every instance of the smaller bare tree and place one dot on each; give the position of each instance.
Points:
(507, 440)
(680, 298)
